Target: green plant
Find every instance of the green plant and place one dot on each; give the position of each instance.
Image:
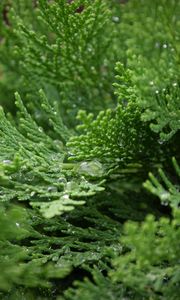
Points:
(89, 94)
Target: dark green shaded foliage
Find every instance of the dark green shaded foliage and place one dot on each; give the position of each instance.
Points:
(19, 265)
(96, 109)
(151, 268)
(85, 237)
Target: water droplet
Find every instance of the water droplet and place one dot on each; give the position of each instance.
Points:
(52, 189)
(7, 161)
(55, 258)
(92, 168)
(115, 19)
(71, 185)
(83, 179)
(43, 58)
(164, 197)
(89, 49)
(58, 144)
(93, 69)
(62, 180)
(70, 153)
(165, 203)
(151, 83)
(160, 142)
(65, 197)
(53, 157)
(157, 92)
(165, 46)
(157, 44)
(37, 115)
(175, 84)
(17, 224)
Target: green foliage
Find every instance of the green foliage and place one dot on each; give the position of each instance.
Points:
(102, 288)
(151, 266)
(19, 265)
(169, 195)
(165, 111)
(152, 37)
(62, 51)
(116, 134)
(96, 109)
(56, 248)
(33, 166)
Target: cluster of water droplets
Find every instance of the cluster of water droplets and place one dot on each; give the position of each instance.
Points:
(161, 45)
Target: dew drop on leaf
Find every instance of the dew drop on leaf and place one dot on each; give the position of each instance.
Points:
(115, 19)
(7, 161)
(164, 196)
(52, 189)
(92, 168)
